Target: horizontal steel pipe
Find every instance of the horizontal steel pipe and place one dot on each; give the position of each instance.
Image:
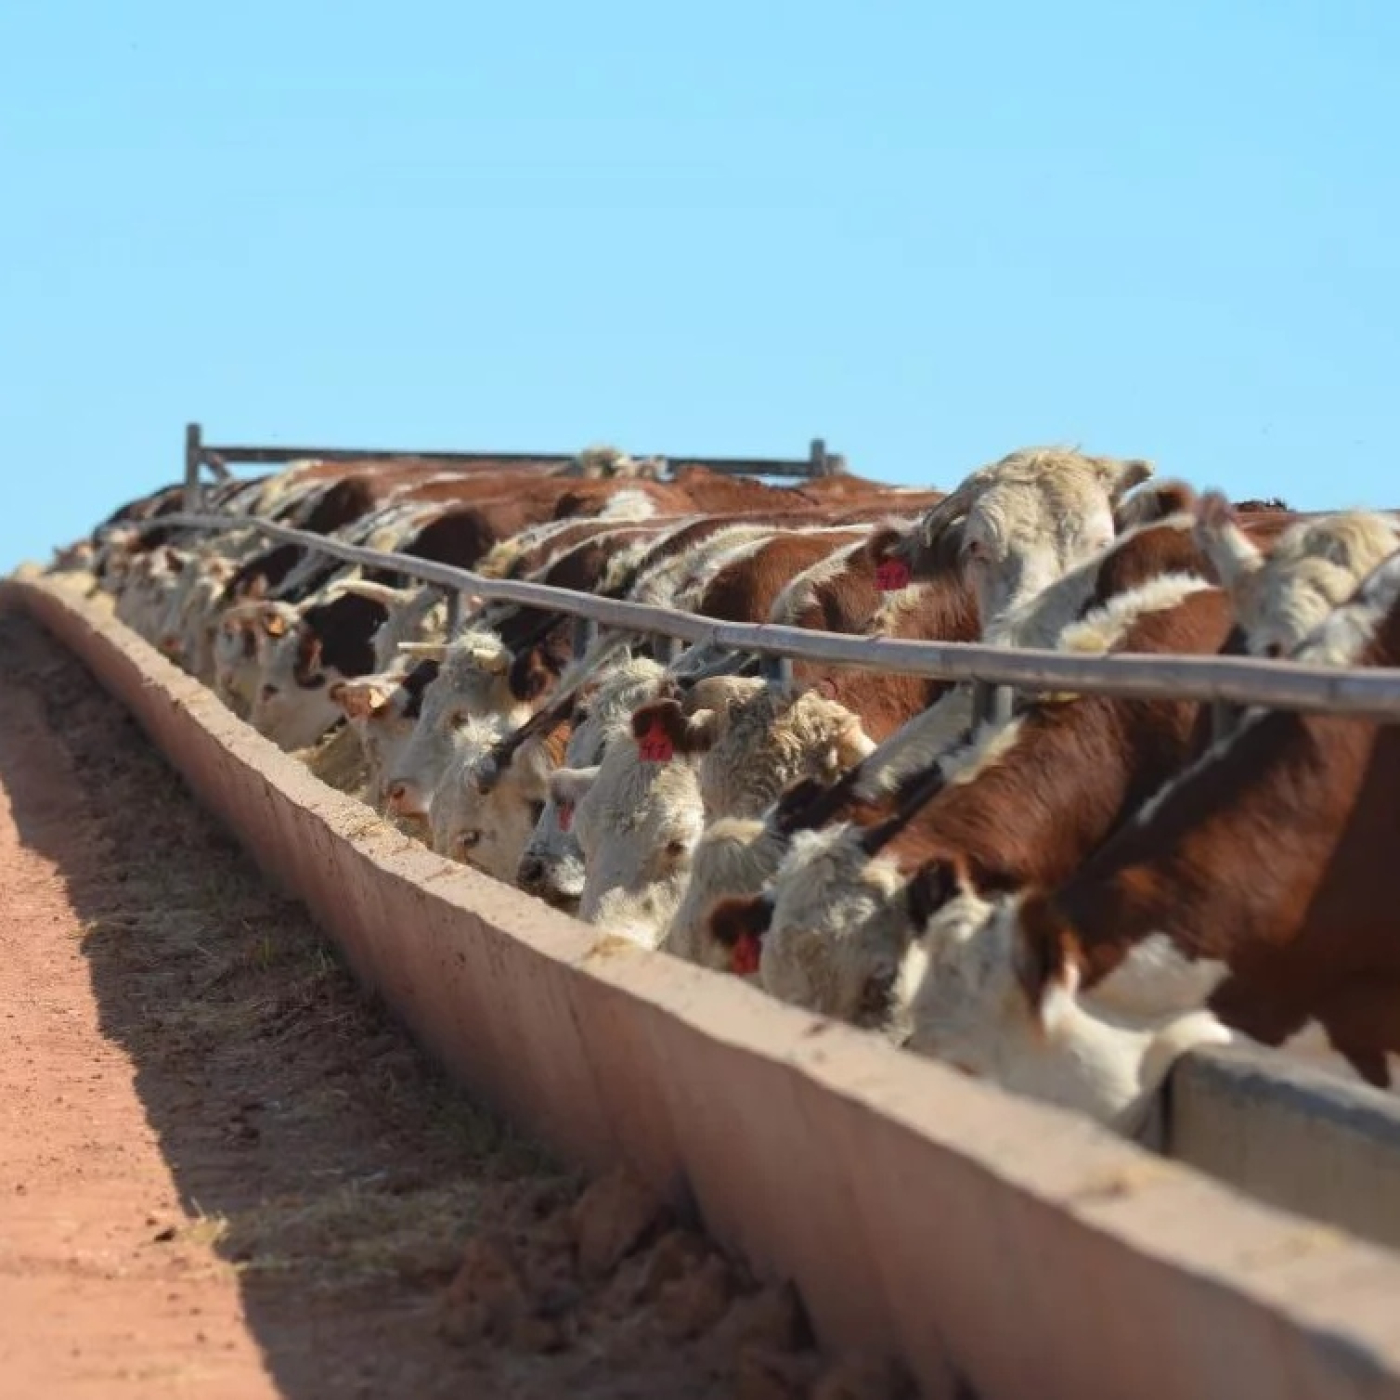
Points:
(1371, 693)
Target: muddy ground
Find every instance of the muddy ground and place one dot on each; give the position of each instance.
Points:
(224, 1170)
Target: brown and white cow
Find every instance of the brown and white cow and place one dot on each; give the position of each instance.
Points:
(1264, 864)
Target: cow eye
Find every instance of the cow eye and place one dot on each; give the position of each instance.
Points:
(675, 848)
(457, 719)
(268, 691)
(468, 839)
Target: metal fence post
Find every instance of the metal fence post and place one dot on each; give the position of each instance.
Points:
(194, 451)
(991, 704)
(1224, 719)
(665, 649)
(454, 612)
(824, 463)
(776, 670)
(585, 631)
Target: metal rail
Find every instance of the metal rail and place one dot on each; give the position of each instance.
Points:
(200, 455)
(1371, 693)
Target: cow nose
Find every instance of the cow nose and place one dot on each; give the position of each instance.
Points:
(530, 875)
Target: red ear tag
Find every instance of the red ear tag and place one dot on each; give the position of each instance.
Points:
(743, 956)
(655, 745)
(892, 575)
(566, 815)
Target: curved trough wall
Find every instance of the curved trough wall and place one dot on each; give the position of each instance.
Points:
(1001, 1248)
(1290, 1135)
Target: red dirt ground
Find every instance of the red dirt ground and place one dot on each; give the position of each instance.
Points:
(225, 1172)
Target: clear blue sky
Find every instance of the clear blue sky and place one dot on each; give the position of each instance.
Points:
(930, 233)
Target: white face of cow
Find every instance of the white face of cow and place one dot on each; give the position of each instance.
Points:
(483, 813)
(293, 707)
(637, 826)
(187, 630)
(839, 931)
(375, 707)
(1314, 567)
(1031, 517)
(734, 856)
(150, 583)
(551, 865)
(968, 1005)
(240, 638)
(472, 685)
(759, 740)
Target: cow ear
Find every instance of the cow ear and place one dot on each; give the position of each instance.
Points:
(307, 669)
(932, 886)
(852, 743)
(1165, 498)
(1234, 556)
(739, 924)
(530, 677)
(1048, 959)
(569, 786)
(359, 699)
(1121, 475)
(701, 732)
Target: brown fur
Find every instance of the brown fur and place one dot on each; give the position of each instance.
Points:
(1273, 856)
(1077, 770)
(744, 591)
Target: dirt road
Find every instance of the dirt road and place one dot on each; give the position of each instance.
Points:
(224, 1172)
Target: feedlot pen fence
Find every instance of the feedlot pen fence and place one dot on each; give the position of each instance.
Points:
(1229, 684)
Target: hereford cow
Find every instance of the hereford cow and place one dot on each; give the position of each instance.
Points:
(1265, 862)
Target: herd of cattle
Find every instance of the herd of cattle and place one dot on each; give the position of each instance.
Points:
(1061, 899)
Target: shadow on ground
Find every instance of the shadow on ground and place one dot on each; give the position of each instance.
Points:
(327, 1160)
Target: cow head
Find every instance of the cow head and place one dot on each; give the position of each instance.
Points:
(483, 813)
(637, 825)
(471, 685)
(839, 931)
(1028, 518)
(734, 857)
(552, 863)
(994, 989)
(1313, 568)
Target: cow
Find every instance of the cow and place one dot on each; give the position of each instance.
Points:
(640, 813)
(1262, 864)
(472, 684)
(383, 710)
(483, 815)
(1023, 802)
(1312, 568)
(1031, 516)
(552, 864)
(1147, 592)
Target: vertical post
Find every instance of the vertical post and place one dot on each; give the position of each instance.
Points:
(194, 450)
(777, 670)
(816, 457)
(454, 612)
(991, 704)
(665, 649)
(1224, 719)
(585, 632)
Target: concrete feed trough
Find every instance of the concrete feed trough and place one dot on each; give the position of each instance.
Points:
(1001, 1248)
